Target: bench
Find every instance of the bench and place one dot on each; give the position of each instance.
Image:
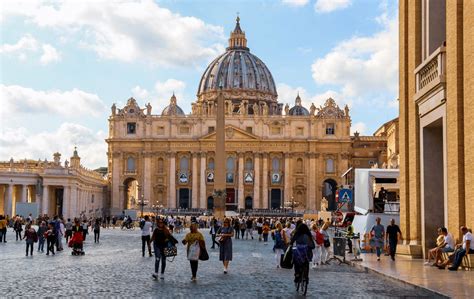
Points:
(467, 261)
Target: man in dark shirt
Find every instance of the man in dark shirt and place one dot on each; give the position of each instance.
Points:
(392, 237)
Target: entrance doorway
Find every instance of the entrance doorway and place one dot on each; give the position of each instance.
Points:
(248, 203)
(432, 180)
(183, 200)
(230, 199)
(130, 187)
(275, 198)
(58, 196)
(210, 203)
(329, 191)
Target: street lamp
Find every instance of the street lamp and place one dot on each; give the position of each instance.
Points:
(142, 202)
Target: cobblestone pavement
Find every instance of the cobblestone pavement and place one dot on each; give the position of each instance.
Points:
(115, 267)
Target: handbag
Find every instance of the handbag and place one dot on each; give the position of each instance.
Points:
(327, 243)
(286, 261)
(194, 251)
(203, 255)
(170, 250)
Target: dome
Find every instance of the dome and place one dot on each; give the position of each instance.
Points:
(298, 109)
(172, 108)
(238, 69)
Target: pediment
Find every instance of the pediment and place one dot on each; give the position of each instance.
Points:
(232, 133)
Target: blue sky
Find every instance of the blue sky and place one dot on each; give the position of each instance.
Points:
(63, 63)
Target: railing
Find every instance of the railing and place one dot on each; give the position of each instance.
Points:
(434, 67)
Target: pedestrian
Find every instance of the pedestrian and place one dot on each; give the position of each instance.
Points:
(265, 232)
(237, 228)
(280, 243)
(68, 227)
(85, 229)
(326, 244)
(213, 231)
(17, 227)
(60, 233)
(304, 241)
(318, 239)
(194, 241)
(260, 228)
(249, 229)
(96, 231)
(378, 234)
(161, 238)
(393, 235)
(146, 232)
(242, 228)
(114, 221)
(41, 230)
(50, 239)
(3, 229)
(225, 234)
(30, 237)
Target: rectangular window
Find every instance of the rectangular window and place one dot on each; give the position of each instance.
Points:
(210, 130)
(275, 130)
(160, 130)
(249, 130)
(329, 129)
(131, 128)
(184, 130)
(299, 131)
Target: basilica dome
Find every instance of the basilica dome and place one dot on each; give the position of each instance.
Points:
(240, 74)
(172, 108)
(298, 109)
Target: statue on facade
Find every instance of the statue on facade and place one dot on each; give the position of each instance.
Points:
(256, 110)
(265, 109)
(193, 108)
(312, 109)
(230, 108)
(114, 109)
(346, 110)
(324, 204)
(205, 108)
(241, 108)
(287, 109)
(66, 164)
(148, 109)
(199, 108)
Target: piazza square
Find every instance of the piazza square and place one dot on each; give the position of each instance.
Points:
(256, 150)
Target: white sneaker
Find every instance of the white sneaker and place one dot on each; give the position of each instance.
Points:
(427, 263)
(378, 259)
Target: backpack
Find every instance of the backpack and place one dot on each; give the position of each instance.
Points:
(319, 238)
(300, 254)
(279, 244)
(142, 224)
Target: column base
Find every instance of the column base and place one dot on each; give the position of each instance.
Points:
(219, 212)
(413, 251)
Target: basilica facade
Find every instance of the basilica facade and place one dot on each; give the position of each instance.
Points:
(277, 156)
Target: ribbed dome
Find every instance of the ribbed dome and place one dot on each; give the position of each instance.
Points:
(172, 108)
(237, 68)
(298, 109)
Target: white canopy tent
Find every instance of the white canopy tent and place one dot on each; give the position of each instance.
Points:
(363, 187)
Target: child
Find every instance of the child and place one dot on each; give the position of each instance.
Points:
(50, 239)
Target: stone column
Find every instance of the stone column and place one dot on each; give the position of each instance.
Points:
(73, 211)
(117, 197)
(45, 200)
(311, 196)
(172, 179)
(66, 202)
(195, 178)
(288, 192)
(9, 200)
(256, 183)
(122, 205)
(265, 182)
(24, 193)
(202, 180)
(147, 178)
(240, 191)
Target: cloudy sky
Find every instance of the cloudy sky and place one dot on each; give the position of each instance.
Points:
(63, 63)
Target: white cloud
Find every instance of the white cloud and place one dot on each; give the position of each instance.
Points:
(323, 6)
(161, 93)
(74, 103)
(128, 31)
(287, 94)
(364, 65)
(359, 127)
(50, 54)
(295, 3)
(28, 45)
(21, 143)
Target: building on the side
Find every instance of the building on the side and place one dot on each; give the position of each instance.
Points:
(436, 117)
(277, 156)
(390, 131)
(52, 188)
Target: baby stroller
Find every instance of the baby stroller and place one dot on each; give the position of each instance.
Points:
(76, 243)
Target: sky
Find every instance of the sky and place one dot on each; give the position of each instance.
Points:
(64, 63)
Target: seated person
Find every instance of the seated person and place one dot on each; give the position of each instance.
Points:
(446, 246)
(466, 247)
(432, 253)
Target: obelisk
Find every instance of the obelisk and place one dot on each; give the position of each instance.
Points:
(219, 174)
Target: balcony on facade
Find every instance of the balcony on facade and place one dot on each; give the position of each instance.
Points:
(430, 77)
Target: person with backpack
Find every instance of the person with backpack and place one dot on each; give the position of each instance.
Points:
(279, 247)
(31, 237)
(145, 226)
(96, 231)
(302, 250)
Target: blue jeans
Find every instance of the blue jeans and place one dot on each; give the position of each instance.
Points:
(378, 250)
(159, 256)
(458, 255)
(41, 244)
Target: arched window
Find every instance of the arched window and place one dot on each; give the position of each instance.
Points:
(299, 165)
(276, 164)
(184, 164)
(248, 164)
(230, 164)
(210, 163)
(131, 164)
(160, 165)
(329, 165)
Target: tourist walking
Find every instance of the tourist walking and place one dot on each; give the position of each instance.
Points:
(60, 233)
(41, 230)
(259, 228)
(146, 232)
(68, 227)
(326, 244)
(96, 231)
(393, 235)
(160, 238)
(17, 227)
(50, 239)
(378, 234)
(280, 243)
(85, 229)
(3, 229)
(318, 239)
(195, 243)
(242, 228)
(304, 246)
(249, 229)
(265, 232)
(236, 226)
(30, 237)
(225, 234)
(213, 232)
